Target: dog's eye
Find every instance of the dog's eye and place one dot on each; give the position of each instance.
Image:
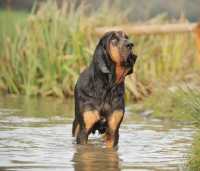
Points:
(113, 38)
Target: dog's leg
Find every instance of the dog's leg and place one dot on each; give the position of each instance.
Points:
(89, 119)
(103, 135)
(75, 127)
(112, 133)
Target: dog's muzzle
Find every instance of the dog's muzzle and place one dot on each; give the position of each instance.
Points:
(131, 59)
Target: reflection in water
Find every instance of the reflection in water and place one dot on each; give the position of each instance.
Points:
(35, 134)
(96, 158)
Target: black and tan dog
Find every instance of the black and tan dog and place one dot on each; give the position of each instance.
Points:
(99, 91)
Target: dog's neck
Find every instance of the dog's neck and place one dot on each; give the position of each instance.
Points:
(109, 80)
(121, 73)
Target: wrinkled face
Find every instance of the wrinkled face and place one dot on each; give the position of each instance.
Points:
(120, 49)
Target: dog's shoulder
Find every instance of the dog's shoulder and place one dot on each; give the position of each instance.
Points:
(85, 81)
(84, 77)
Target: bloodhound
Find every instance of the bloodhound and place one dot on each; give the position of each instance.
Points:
(99, 91)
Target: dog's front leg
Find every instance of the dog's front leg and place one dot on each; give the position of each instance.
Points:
(82, 136)
(86, 124)
(112, 132)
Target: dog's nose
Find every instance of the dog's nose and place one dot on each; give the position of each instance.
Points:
(129, 45)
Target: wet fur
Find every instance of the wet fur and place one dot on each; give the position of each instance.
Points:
(99, 91)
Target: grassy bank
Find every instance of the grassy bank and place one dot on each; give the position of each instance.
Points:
(193, 162)
(47, 54)
(190, 102)
(190, 106)
(181, 104)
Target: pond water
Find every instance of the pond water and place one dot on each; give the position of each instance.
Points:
(35, 134)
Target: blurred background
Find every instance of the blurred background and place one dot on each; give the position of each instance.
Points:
(41, 43)
(141, 9)
(35, 34)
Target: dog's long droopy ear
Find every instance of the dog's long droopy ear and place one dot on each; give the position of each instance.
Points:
(100, 56)
(102, 66)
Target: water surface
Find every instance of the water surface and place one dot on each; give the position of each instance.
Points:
(35, 134)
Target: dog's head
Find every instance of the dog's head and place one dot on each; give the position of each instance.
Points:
(115, 48)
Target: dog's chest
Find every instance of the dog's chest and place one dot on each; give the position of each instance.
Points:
(106, 103)
(109, 98)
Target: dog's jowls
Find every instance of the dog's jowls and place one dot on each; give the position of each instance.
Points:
(99, 91)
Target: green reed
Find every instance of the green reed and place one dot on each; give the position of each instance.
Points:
(189, 104)
(47, 54)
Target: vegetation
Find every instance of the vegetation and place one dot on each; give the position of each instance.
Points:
(190, 105)
(181, 106)
(190, 102)
(193, 162)
(47, 53)
(10, 19)
(162, 105)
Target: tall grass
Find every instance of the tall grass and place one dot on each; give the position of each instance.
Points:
(189, 104)
(10, 20)
(161, 57)
(47, 54)
(193, 163)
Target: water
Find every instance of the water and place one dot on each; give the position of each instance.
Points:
(35, 134)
